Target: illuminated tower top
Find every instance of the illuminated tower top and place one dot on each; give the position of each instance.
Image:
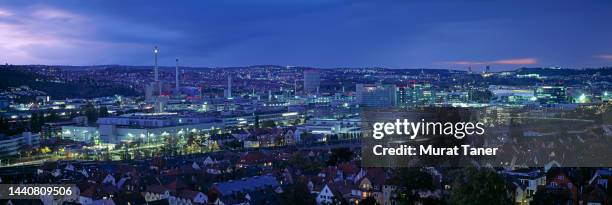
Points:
(155, 51)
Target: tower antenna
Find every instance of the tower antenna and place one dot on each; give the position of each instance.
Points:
(177, 76)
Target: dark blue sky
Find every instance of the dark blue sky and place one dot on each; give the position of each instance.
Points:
(320, 33)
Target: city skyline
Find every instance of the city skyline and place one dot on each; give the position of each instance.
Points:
(315, 102)
(320, 34)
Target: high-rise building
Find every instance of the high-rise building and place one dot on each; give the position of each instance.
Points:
(423, 94)
(415, 94)
(228, 91)
(404, 96)
(312, 81)
(376, 95)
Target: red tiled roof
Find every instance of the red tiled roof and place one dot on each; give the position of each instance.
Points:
(159, 189)
(90, 191)
(188, 194)
(348, 168)
(254, 158)
(376, 175)
(176, 184)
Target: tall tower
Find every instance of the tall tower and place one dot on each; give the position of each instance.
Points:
(269, 95)
(295, 87)
(176, 76)
(157, 84)
(229, 86)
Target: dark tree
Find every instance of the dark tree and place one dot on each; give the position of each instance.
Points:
(305, 164)
(340, 155)
(545, 198)
(233, 144)
(103, 112)
(52, 117)
(268, 124)
(296, 122)
(35, 121)
(3, 124)
(90, 112)
(472, 186)
(369, 201)
(297, 194)
(412, 180)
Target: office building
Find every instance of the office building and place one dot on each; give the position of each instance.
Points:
(312, 81)
(228, 91)
(417, 94)
(147, 127)
(376, 95)
(512, 95)
(12, 145)
(551, 94)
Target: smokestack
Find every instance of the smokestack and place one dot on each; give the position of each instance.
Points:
(176, 77)
(229, 86)
(294, 86)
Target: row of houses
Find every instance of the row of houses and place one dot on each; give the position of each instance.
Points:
(262, 176)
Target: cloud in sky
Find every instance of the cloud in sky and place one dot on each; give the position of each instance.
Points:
(606, 57)
(519, 61)
(516, 61)
(21, 32)
(337, 33)
(48, 35)
(5, 13)
(52, 14)
(30, 32)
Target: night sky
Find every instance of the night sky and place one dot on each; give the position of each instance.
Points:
(319, 33)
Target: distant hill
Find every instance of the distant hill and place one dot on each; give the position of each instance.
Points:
(57, 90)
(564, 72)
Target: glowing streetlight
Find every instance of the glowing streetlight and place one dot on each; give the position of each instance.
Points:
(582, 98)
